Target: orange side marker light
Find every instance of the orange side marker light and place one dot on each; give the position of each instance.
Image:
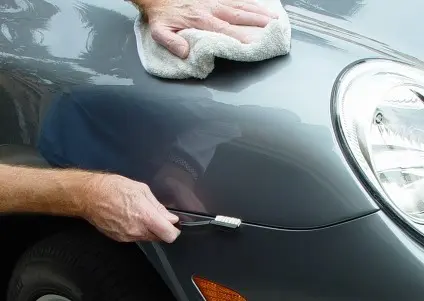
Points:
(212, 291)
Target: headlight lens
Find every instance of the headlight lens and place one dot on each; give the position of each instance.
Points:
(380, 113)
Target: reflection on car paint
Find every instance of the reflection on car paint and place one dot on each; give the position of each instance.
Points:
(202, 156)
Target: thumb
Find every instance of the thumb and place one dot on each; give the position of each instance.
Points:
(170, 40)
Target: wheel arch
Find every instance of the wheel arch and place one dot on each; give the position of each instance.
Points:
(19, 232)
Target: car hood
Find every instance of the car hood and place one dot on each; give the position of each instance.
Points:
(389, 28)
(267, 151)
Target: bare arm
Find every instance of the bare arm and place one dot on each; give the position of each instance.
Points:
(122, 209)
(24, 189)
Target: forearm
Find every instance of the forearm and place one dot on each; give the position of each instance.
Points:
(45, 191)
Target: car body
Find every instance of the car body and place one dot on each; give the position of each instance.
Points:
(262, 136)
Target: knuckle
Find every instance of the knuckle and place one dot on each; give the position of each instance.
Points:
(124, 239)
(199, 14)
(216, 10)
(220, 26)
(120, 238)
(236, 16)
(144, 186)
(156, 33)
(133, 231)
(161, 207)
(200, 19)
(148, 219)
(145, 237)
(169, 42)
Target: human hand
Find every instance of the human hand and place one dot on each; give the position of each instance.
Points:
(167, 17)
(126, 210)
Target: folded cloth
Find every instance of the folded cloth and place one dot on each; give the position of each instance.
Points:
(271, 41)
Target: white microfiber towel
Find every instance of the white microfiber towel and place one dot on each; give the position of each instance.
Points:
(271, 41)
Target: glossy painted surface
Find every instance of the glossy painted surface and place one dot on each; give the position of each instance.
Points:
(259, 135)
(265, 126)
(368, 259)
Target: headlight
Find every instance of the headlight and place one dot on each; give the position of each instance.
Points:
(380, 114)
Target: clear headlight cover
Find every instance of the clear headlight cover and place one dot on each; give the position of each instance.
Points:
(380, 113)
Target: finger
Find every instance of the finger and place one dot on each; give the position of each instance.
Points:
(145, 236)
(217, 25)
(148, 236)
(170, 40)
(142, 233)
(251, 6)
(241, 17)
(159, 225)
(160, 207)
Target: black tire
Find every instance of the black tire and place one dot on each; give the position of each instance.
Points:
(85, 266)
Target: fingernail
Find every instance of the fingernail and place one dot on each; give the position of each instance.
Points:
(171, 217)
(182, 52)
(246, 40)
(174, 235)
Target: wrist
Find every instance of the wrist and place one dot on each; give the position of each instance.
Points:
(79, 190)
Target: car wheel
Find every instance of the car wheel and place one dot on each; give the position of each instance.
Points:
(84, 266)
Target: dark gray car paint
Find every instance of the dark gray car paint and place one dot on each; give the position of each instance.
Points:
(367, 259)
(282, 165)
(277, 112)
